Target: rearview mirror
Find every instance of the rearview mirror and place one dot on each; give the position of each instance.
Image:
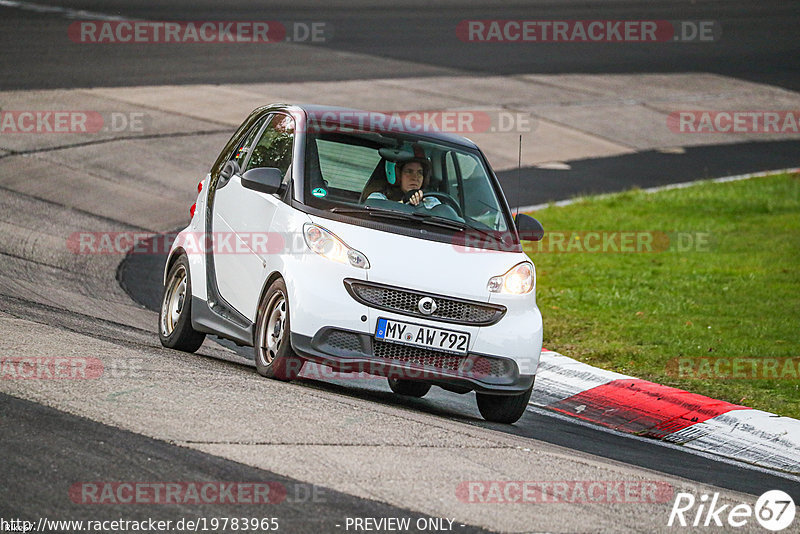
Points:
(229, 170)
(263, 179)
(529, 228)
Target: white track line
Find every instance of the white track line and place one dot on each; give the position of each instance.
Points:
(78, 14)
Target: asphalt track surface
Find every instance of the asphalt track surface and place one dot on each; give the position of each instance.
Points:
(406, 38)
(48, 450)
(73, 443)
(645, 169)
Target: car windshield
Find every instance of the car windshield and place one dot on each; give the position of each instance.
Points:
(358, 174)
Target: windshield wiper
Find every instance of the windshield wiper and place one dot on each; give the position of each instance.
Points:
(433, 220)
(487, 233)
(425, 218)
(375, 212)
(368, 209)
(436, 220)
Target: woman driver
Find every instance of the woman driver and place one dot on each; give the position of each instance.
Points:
(413, 176)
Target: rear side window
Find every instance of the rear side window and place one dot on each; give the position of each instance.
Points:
(346, 167)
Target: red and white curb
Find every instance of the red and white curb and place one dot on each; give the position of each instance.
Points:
(634, 406)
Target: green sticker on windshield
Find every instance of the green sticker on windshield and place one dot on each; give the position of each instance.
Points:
(319, 192)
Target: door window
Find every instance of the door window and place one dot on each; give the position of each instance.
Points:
(244, 147)
(274, 147)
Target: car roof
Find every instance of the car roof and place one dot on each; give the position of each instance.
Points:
(433, 135)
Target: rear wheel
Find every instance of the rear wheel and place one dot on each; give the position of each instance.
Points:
(409, 388)
(273, 348)
(503, 408)
(175, 317)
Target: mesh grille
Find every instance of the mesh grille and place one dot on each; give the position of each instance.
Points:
(406, 302)
(344, 340)
(468, 365)
(424, 357)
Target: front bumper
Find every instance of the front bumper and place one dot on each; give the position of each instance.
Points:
(352, 351)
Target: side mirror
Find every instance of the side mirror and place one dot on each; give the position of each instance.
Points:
(263, 179)
(529, 229)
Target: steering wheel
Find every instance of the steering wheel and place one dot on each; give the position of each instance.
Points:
(444, 198)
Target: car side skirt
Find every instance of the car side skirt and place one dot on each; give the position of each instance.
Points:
(204, 319)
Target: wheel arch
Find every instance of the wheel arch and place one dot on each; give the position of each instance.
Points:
(274, 275)
(171, 259)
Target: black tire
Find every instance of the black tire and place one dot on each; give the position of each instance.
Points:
(503, 408)
(175, 316)
(274, 355)
(409, 388)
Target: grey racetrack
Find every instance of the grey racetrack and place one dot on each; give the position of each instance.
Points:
(168, 416)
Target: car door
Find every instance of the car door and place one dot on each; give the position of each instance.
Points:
(241, 217)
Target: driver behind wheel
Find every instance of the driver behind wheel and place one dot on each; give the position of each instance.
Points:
(411, 177)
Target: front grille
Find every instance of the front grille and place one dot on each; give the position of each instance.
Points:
(405, 301)
(419, 356)
(474, 366)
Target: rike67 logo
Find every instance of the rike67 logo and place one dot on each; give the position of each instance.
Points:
(774, 511)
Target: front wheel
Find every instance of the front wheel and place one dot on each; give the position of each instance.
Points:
(273, 348)
(503, 408)
(175, 317)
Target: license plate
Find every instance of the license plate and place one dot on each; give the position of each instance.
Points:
(422, 336)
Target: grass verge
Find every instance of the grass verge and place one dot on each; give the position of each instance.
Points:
(695, 288)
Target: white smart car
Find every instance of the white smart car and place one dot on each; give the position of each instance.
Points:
(365, 245)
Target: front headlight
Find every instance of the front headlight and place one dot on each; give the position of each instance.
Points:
(328, 245)
(517, 281)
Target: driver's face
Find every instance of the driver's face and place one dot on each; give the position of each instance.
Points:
(412, 176)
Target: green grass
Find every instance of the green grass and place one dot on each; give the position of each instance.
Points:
(737, 296)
